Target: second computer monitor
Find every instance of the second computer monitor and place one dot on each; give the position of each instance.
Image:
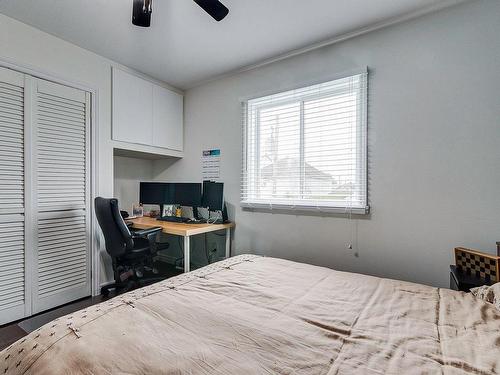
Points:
(187, 194)
(152, 192)
(213, 195)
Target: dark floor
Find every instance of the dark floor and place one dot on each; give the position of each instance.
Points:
(14, 331)
(10, 334)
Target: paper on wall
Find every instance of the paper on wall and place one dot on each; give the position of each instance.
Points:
(210, 163)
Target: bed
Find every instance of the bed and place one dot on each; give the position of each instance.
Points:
(259, 315)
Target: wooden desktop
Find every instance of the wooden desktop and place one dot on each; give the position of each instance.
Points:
(185, 230)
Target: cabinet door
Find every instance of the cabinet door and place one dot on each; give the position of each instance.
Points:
(14, 299)
(168, 119)
(62, 198)
(132, 108)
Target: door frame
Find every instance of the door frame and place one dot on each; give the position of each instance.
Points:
(95, 237)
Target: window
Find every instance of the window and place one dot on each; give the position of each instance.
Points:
(306, 148)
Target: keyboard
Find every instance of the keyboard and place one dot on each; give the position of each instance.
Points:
(196, 221)
(173, 219)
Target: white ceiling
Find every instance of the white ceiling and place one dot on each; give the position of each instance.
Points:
(185, 46)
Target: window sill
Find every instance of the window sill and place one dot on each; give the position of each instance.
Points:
(305, 209)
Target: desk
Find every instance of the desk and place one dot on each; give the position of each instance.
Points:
(186, 231)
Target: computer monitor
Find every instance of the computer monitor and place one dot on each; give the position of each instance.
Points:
(169, 191)
(184, 194)
(151, 192)
(213, 195)
(187, 194)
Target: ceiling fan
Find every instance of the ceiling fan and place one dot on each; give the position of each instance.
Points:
(142, 9)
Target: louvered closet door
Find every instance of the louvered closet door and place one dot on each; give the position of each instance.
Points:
(61, 139)
(14, 299)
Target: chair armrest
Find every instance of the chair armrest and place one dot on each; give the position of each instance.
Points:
(145, 233)
(150, 235)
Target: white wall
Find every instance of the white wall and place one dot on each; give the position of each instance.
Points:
(434, 150)
(29, 47)
(128, 173)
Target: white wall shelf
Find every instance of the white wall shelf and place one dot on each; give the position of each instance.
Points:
(144, 152)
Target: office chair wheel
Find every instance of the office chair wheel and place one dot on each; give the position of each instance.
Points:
(105, 291)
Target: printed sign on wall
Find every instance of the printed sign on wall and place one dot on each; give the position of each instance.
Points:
(210, 162)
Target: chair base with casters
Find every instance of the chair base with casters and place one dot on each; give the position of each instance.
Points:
(130, 269)
(132, 253)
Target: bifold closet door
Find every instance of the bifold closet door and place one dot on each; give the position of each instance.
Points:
(14, 267)
(61, 202)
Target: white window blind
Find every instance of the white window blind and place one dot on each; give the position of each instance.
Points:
(306, 148)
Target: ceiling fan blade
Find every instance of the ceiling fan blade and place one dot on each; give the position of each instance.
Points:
(141, 12)
(213, 7)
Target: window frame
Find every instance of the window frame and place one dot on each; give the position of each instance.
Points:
(362, 146)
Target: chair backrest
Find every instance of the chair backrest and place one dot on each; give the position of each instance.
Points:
(116, 234)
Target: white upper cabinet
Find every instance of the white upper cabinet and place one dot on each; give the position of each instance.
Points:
(146, 114)
(132, 108)
(168, 119)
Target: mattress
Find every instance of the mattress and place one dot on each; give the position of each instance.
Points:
(258, 315)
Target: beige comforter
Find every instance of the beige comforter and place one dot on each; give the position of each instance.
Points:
(254, 315)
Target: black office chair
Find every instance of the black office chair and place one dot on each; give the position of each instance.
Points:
(131, 252)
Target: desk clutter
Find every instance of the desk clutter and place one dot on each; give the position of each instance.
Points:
(193, 203)
(473, 269)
